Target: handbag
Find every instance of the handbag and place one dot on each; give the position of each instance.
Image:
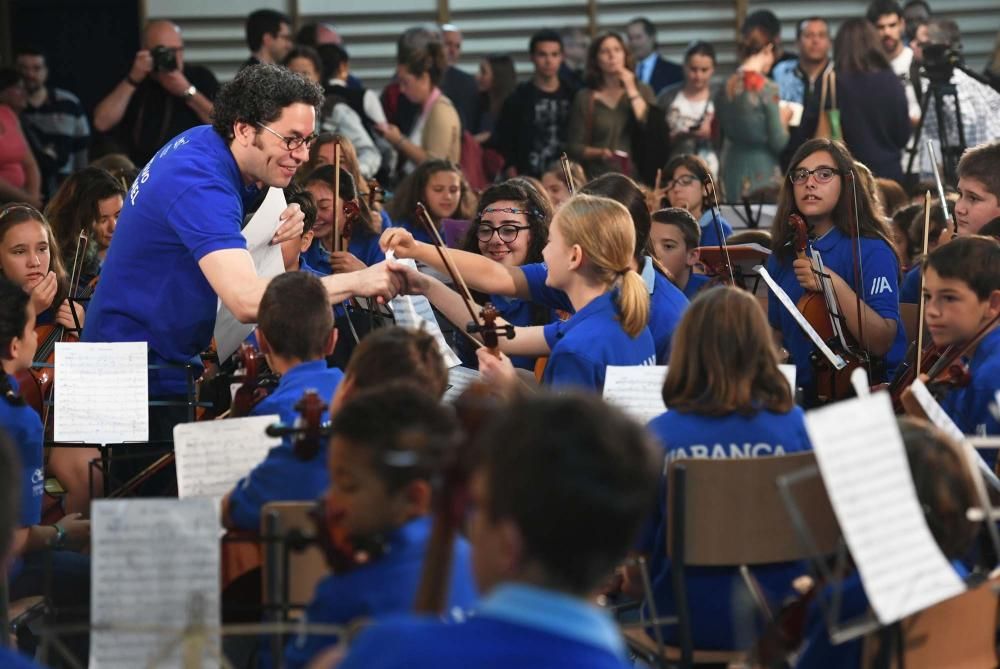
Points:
(829, 126)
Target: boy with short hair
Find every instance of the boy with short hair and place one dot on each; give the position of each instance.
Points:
(558, 496)
(296, 333)
(675, 237)
(293, 250)
(978, 188)
(962, 288)
(387, 445)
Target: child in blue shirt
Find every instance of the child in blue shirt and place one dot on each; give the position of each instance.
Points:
(590, 245)
(726, 398)
(938, 233)
(685, 188)
(440, 186)
(293, 251)
(362, 248)
(675, 237)
(666, 301)
(387, 446)
(819, 189)
(962, 286)
(67, 572)
(945, 491)
(542, 543)
(296, 333)
(30, 259)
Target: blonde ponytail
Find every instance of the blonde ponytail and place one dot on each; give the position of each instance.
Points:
(633, 303)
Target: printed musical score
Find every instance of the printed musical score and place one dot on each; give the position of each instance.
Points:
(459, 378)
(212, 456)
(863, 462)
(101, 392)
(636, 390)
(415, 312)
(154, 571)
(229, 332)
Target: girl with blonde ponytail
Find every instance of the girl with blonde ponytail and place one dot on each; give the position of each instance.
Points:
(591, 243)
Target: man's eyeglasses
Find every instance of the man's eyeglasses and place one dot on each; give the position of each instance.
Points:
(507, 233)
(823, 175)
(292, 143)
(685, 180)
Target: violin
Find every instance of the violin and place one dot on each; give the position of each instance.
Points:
(724, 271)
(832, 384)
(250, 391)
(567, 173)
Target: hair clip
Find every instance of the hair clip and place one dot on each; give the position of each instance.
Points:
(509, 210)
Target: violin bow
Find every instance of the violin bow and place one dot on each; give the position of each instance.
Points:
(920, 312)
(335, 242)
(859, 270)
(477, 326)
(709, 183)
(940, 188)
(567, 174)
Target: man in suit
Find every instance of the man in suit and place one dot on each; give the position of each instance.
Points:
(650, 67)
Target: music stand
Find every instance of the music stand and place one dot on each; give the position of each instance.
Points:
(744, 257)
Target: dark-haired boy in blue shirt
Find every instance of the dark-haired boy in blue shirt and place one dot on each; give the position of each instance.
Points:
(295, 332)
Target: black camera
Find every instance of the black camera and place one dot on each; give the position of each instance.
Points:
(940, 61)
(164, 58)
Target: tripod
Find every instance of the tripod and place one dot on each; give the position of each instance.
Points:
(938, 90)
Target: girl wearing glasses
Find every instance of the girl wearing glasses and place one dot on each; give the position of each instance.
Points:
(685, 188)
(512, 228)
(817, 189)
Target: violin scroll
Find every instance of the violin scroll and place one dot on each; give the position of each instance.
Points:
(488, 328)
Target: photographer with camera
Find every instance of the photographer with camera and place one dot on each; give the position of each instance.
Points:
(159, 98)
(969, 109)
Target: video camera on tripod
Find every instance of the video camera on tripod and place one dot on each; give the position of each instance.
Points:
(940, 61)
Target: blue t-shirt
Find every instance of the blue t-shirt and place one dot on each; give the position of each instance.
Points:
(909, 292)
(880, 282)
(695, 283)
(515, 626)
(282, 476)
(363, 245)
(666, 302)
(384, 586)
(187, 202)
(592, 339)
(11, 659)
(710, 590)
(709, 236)
(969, 407)
(24, 427)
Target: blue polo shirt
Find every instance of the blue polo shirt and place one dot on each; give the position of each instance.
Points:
(514, 626)
(11, 659)
(188, 202)
(282, 476)
(363, 245)
(711, 590)
(709, 236)
(969, 407)
(880, 282)
(666, 302)
(520, 313)
(384, 586)
(584, 346)
(24, 427)
(695, 283)
(910, 290)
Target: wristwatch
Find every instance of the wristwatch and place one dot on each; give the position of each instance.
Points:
(60, 538)
(189, 92)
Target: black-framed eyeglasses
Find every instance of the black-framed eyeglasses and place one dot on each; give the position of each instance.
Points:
(683, 180)
(823, 175)
(507, 232)
(292, 143)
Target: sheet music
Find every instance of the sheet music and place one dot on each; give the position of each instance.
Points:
(636, 390)
(101, 392)
(155, 563)
(229, 332)
(459, 378)
(212, 456)
(415, 312)
(789, 372)
(786, 302)
(863, 462)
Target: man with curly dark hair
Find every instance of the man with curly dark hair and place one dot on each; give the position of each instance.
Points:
(178, 248)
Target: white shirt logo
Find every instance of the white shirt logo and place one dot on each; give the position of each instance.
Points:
(880, 284)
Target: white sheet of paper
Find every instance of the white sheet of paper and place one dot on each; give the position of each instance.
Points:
(786, 302)
(636, 390)
(229, 332)
(415, 312)
(213, 455)
(459, 378)
(797, 109)
(155, 562)
(790, 374)
(863, 463)
(101, 392)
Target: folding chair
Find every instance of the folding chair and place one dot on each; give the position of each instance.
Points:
(729, 513)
